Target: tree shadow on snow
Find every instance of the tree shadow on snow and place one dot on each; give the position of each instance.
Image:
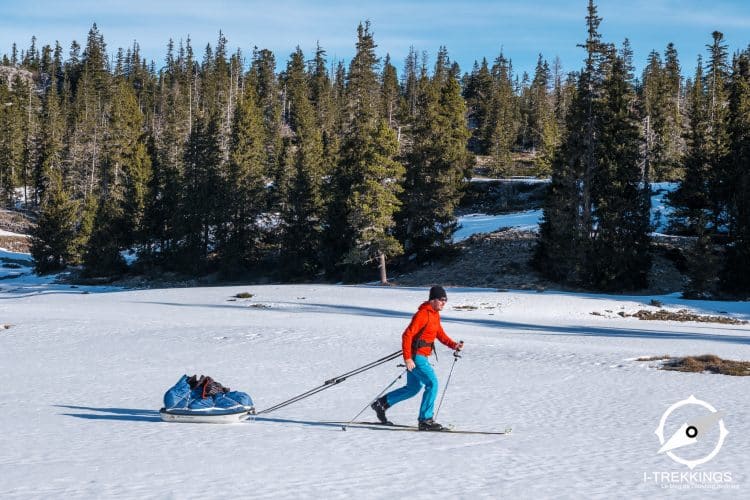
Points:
(127, 414)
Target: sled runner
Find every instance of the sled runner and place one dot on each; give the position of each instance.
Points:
(206, 416)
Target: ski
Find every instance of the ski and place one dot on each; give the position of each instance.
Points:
(412, 428)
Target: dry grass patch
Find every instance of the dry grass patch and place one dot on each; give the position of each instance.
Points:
(654, 358)
(710, 363)
(681, 315)
(244, 295)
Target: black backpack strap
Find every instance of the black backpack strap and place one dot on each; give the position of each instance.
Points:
(417, 342)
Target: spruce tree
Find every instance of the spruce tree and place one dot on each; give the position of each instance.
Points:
(735, 276)
(437, 163)
(303, 208)
(245, 185)
(11, 146)
(691, 199)
(543, 127)
(360, 217)
(618, 248)
(567, 219)
(478, 94)
(503, 121)
(327, 113)
(53, 238)
(717, 80)
(595, 226)
(199, 203)
(263, 77)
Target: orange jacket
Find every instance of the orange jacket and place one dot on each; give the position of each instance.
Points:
(426, 320)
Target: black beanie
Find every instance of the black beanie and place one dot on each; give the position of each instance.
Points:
(437, 292)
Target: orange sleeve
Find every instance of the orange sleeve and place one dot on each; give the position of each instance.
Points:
(444, 338)
(418, 321)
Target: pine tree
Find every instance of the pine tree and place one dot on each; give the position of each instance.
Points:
(303, 209)
(595, 226)
(245, 188)
(263, 77)
(90, 108)
(199, 204)
(717, 79)
(690, 200)
(102, 255)
(478, 94)
(11, 145)
(25, 97)
(503, 121)
(53, 238)
(618, 248)
(326, 112)
(360, 217)
(436, 164)
(542, 124)
(735, 276)
(128, 165)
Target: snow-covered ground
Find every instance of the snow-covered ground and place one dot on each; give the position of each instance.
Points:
(483, 223)
(530, 219)
(84, 375)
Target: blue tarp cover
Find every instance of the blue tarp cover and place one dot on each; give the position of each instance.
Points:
(181, 397)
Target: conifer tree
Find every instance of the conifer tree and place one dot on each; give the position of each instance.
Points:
(199, 204)
(102, 255)
(690, 200)
(478, 93)
(10, 145)
(303, 209)
(90, 108)
(244, 192)
(326, 112)
(595, 226)
(717, 80)
(391, 94)
(502, 123)
(618, 247)
(436, 164)
(360, 218)
(27, 102)
(128, 164)
(543, 128)
(53, 238)
(735, 276)
(263, 77)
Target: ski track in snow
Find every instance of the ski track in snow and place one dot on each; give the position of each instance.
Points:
(84, 375)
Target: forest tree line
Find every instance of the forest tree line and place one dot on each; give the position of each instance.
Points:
(217, 163)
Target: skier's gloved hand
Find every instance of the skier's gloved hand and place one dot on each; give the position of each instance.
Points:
(460, 345)
(410, 364)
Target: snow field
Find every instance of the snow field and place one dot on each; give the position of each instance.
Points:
(85, 374)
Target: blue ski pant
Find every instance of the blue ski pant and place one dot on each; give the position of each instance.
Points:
(421, 375)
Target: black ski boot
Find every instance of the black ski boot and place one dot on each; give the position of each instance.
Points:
(380, 405)
(430, 425)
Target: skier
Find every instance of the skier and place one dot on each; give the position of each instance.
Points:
(417, 342)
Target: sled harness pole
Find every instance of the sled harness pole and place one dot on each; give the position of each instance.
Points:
(343, 427)
(456, 355)
(331, 382)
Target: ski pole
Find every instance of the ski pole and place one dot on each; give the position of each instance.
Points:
(343, 427)
(456, 355)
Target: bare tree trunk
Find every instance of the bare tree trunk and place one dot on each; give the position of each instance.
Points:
(381, 266)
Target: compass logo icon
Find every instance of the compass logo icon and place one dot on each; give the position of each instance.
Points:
(692, 431)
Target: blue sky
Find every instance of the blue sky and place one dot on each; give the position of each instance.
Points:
(470, 29)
